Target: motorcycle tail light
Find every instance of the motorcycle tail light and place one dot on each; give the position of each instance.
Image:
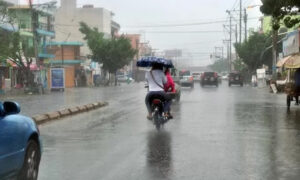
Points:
(156, 101)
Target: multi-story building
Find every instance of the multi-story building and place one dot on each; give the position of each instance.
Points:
(135, 40)
(68, 17)
(44, 21)
(41, 17)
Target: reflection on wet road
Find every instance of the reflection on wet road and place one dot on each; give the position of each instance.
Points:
(218, 133)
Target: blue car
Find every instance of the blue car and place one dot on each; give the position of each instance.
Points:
(20, 144)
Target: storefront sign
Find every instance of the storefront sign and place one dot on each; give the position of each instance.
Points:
(57, 78)
(290, 45)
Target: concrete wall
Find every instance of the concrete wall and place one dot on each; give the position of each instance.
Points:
(70, 52)
(68, 17)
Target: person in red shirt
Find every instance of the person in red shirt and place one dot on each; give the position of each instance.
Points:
(169, 87)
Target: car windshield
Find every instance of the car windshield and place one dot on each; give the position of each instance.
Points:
(209, 73)
(149, 89)
(184, 73)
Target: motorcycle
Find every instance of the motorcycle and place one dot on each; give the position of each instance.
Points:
(157, 107)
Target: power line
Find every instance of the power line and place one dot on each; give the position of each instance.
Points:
(180, 25)
(234, 5)
(181, 32)
(164, 25)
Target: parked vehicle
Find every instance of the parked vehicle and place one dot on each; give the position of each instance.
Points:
(122, 78)
(235, 79)
(209, 78)
(20, 144)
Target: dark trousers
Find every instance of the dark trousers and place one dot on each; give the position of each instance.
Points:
(156, 95)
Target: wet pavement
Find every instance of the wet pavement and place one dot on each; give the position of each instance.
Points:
(38, 104)
(228, 133)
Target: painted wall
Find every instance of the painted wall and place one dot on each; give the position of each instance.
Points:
(68, 17)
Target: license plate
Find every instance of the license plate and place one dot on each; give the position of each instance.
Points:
(237, 78)
(212, 79)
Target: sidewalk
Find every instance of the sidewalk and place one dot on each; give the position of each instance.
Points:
(53, 101)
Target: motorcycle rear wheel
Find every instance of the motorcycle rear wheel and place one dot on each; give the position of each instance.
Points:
(157, 120)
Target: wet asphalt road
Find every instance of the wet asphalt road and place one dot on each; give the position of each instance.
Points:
(223, 133)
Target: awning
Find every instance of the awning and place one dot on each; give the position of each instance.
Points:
(25, 33)
(65, 43)
(293, 62)
(8, 27)
(66, 62)
(281, 62)
(45, 33)
(33, 67)
(49, 56)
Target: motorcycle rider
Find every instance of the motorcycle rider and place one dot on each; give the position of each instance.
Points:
(169, 87)
(156, 81)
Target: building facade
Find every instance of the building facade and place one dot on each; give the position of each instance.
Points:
(67, 56)
(43, 20)
(68, 17)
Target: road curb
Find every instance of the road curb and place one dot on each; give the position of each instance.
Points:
(43, 118)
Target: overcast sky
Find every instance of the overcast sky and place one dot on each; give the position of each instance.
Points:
(135, 15)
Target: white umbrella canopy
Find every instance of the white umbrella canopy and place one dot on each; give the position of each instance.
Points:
(291, 62)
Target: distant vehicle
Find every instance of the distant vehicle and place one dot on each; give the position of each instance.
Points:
(209, 78)
(225, 77)
(184, 73)
(122, 78)
(254, 80)
(220, 79)
(196, 76)
(235, 79)
(178, 92)
(20, 144)
(186, 79)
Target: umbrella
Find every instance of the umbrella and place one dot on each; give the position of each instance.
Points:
(149, 61)
(281, 62)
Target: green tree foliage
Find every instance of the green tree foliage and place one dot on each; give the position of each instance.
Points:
(113, 53)
(282, 10)
(220, 66)
(13, 47)
(253, 52)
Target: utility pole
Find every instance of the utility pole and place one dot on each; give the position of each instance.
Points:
(274, 52)
(34, 24)
(241, 16)
(245, 21)
(230, 39)
(236, 33)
